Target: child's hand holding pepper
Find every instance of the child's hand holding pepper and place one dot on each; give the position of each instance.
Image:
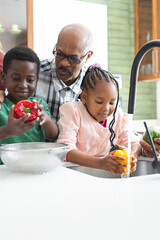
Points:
(24, 116)
(123, 152)
(50, 128)
(117, 162)
(42, 115)
(16, 126)
(109, 163)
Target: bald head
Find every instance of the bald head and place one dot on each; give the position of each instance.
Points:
(74, 43)
(79, 35)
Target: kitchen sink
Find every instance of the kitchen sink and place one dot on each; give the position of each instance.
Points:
(144, 167)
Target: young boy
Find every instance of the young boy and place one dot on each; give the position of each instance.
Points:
(20, 74)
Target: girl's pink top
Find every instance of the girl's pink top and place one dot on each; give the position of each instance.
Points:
(81, 131)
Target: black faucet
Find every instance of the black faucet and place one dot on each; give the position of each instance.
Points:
(134, 72)
(133, 83)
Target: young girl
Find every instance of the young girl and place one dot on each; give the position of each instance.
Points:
(20, 74)
(92, 126)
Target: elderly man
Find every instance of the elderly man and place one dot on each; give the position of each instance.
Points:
(60, 78)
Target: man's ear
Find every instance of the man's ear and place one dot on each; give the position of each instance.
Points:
(88, 56)
(83, 96)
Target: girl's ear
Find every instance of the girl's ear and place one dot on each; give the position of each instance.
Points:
(83, 96)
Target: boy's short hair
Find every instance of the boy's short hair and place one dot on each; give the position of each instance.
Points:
(22, 53)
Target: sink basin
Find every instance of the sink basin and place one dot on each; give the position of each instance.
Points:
(144, 167)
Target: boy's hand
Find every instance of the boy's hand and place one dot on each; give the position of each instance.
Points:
(16, 126)
(50, 128)
(43, 116)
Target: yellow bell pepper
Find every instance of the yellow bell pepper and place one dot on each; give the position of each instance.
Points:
(123, 152)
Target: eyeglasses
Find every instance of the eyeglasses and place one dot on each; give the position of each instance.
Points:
(72, 60)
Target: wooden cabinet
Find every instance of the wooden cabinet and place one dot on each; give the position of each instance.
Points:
(147, 18)
(16, 24)
(29, 23)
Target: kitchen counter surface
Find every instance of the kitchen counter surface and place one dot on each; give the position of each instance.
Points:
(65, 204)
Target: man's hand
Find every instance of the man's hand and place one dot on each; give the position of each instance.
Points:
(147, 149)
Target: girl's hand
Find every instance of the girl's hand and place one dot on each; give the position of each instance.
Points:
(16, 126)
(109, 163)
(133, 164)
(133, 159)
(120, 155)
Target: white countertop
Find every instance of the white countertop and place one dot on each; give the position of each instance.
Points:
(65, 205)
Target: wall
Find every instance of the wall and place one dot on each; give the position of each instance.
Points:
(47, 28)
(121, 52)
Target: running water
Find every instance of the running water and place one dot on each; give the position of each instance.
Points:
(130, 116)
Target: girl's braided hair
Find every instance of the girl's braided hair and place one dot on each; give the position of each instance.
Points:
(94, 74)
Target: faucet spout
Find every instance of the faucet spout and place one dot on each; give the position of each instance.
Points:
(133, 84)
(134, 72)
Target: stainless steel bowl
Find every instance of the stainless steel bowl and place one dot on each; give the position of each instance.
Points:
(35, 157)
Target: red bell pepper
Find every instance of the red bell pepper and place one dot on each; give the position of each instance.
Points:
(24, 107)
